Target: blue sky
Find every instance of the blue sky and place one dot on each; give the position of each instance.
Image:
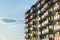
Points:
(12, 18)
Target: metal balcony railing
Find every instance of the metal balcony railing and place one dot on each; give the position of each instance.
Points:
(28, 37)
(38, 12)
(39, 33)
(27, 30)
(33, 29)
(57, 28)
(47, 39)
(48, 22)
(31, 16)
(57, 7)
(28, 26)
(45, 14)
(39, 19)
(45, 23)
(38, 5)
(39, 25)
(45, 31)
(56, 18)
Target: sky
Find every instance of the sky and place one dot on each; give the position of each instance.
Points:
(12, 13)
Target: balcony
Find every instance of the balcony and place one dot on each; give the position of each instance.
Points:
(38, 12)
(57, 28)
(45, 31)
(28, 26)
(52, 2)
(43, 3)
(31, 22)
(38, 5)
(51, 31)
(33, 29)
(35, 35)
(39, 25)
(48, 22)
(57, 7)
(47, 39)
(27, 31)
(45, 15)
(31, 10)
(52, 22)
(28, 37)
(55, 1)
(39, 33)
(42, 10)
(27, 21)
(31, 16)
(27, 16)
(57, 18)
(35, 10)
(34, 15)
(34, 23)
(39, 19)
(46, 6)
(41, 13)
(45, 23)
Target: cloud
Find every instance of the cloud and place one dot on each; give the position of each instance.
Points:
(12, 18)
(7, 21)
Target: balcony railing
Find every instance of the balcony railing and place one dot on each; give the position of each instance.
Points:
(28, 26)
(39, 33)
(39, 19)
(45, 23)
(48, 22)
(45, 31)
(57, 28)
(27, 15)
(33, 29)
(39, 25)
(38, 12)
(35, 35)
(31, 16)
(47, 38)
(57, 7)
(38, 5)
(56, 18)
(45, 14)
(28, 37)
(27, 31)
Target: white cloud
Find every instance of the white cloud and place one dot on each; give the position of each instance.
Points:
(12, 18)
(2, 20)
(7, 21)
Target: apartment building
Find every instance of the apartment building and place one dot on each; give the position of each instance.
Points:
(42, 21)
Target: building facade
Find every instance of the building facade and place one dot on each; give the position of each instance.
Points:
(42, 21)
